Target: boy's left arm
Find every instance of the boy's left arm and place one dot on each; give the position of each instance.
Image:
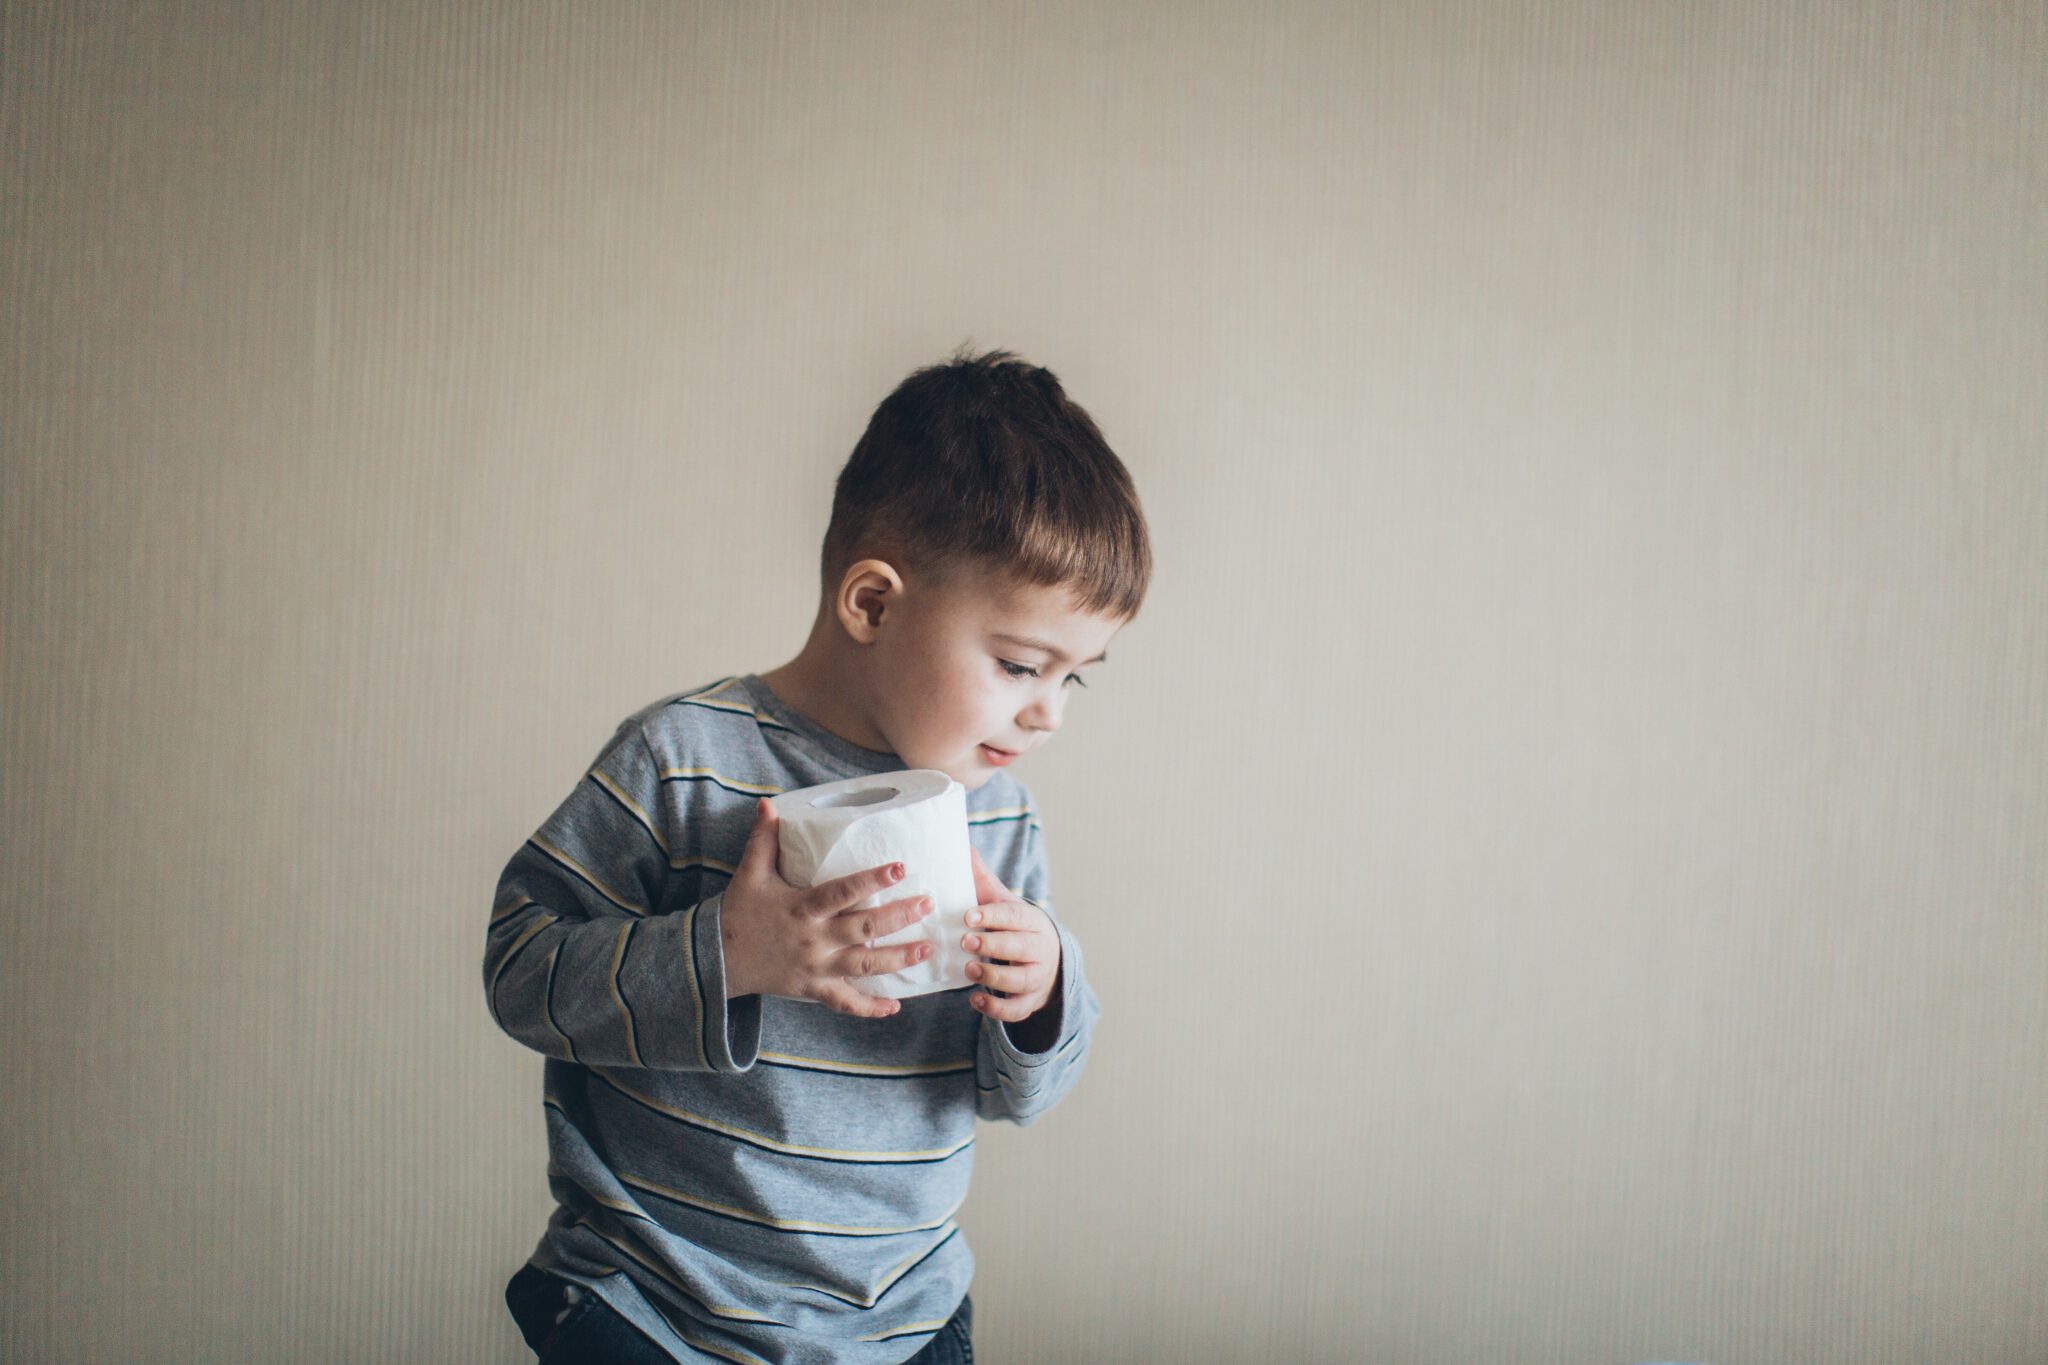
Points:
(1034, 1036)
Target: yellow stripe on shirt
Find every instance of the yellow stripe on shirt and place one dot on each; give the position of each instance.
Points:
(580, 870)
(708, 693)
(776, 1144)
(539, 924)
(729, 783)
(630, 804)
(690, 975)
(895, 1273)
(507, 911)
(661, 1273)
(548, 1010)
(676, 1196)
(908, 1329)
(865, 1068)
(738, 708)
(619, 956)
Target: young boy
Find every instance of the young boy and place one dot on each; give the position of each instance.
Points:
(751, 1159)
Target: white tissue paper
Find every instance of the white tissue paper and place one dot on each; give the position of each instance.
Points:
(917, 817)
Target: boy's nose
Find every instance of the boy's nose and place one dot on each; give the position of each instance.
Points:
(1040, 715)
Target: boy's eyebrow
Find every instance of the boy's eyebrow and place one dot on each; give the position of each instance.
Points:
(1027, 642)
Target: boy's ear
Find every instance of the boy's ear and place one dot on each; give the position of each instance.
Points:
(867, 591)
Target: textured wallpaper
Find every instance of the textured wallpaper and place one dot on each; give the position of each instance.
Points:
(1563, 850)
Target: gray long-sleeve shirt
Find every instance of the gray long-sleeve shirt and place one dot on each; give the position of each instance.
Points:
(757, 1179)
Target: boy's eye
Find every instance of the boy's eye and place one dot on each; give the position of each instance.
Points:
(1027, 671)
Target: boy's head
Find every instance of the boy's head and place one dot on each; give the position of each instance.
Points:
(985, 545)
(984, 462)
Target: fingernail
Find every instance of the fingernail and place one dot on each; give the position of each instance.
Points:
(974, 916)
(896, 872)
(972, 943)
(924, 904)
(974, 970)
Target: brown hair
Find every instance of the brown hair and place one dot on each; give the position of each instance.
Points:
(984, 460)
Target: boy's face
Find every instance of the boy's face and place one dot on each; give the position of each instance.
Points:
(971, 674)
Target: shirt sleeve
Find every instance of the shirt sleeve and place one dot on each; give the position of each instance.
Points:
(1011, 1083)
(585, 960)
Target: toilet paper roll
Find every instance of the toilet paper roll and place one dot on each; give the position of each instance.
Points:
(917, 817)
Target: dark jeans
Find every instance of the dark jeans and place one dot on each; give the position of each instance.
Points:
(590, 1333)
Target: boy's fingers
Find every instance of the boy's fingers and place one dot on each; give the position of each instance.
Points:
(1008, 913)
(865, 926)
(1010, 947)
(829, 898)
(1000, 978)
(987, 885)
(880, 961)
(759, 854)
(1009, 1011)
(847, 1000)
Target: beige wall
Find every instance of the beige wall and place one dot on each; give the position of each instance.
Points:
(1563, 851)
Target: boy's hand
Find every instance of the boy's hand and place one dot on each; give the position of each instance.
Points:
(785, 940)
(1023, 947)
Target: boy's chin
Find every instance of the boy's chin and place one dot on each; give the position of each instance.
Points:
(968, 775)
(968, 769)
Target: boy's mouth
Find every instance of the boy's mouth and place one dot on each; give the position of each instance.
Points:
(999, 757)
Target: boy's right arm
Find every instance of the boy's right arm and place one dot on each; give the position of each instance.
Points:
(583, 959)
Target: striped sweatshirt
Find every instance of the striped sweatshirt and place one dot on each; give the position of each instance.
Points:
(757, 1179)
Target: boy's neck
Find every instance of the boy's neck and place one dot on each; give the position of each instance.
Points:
(826, 692)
